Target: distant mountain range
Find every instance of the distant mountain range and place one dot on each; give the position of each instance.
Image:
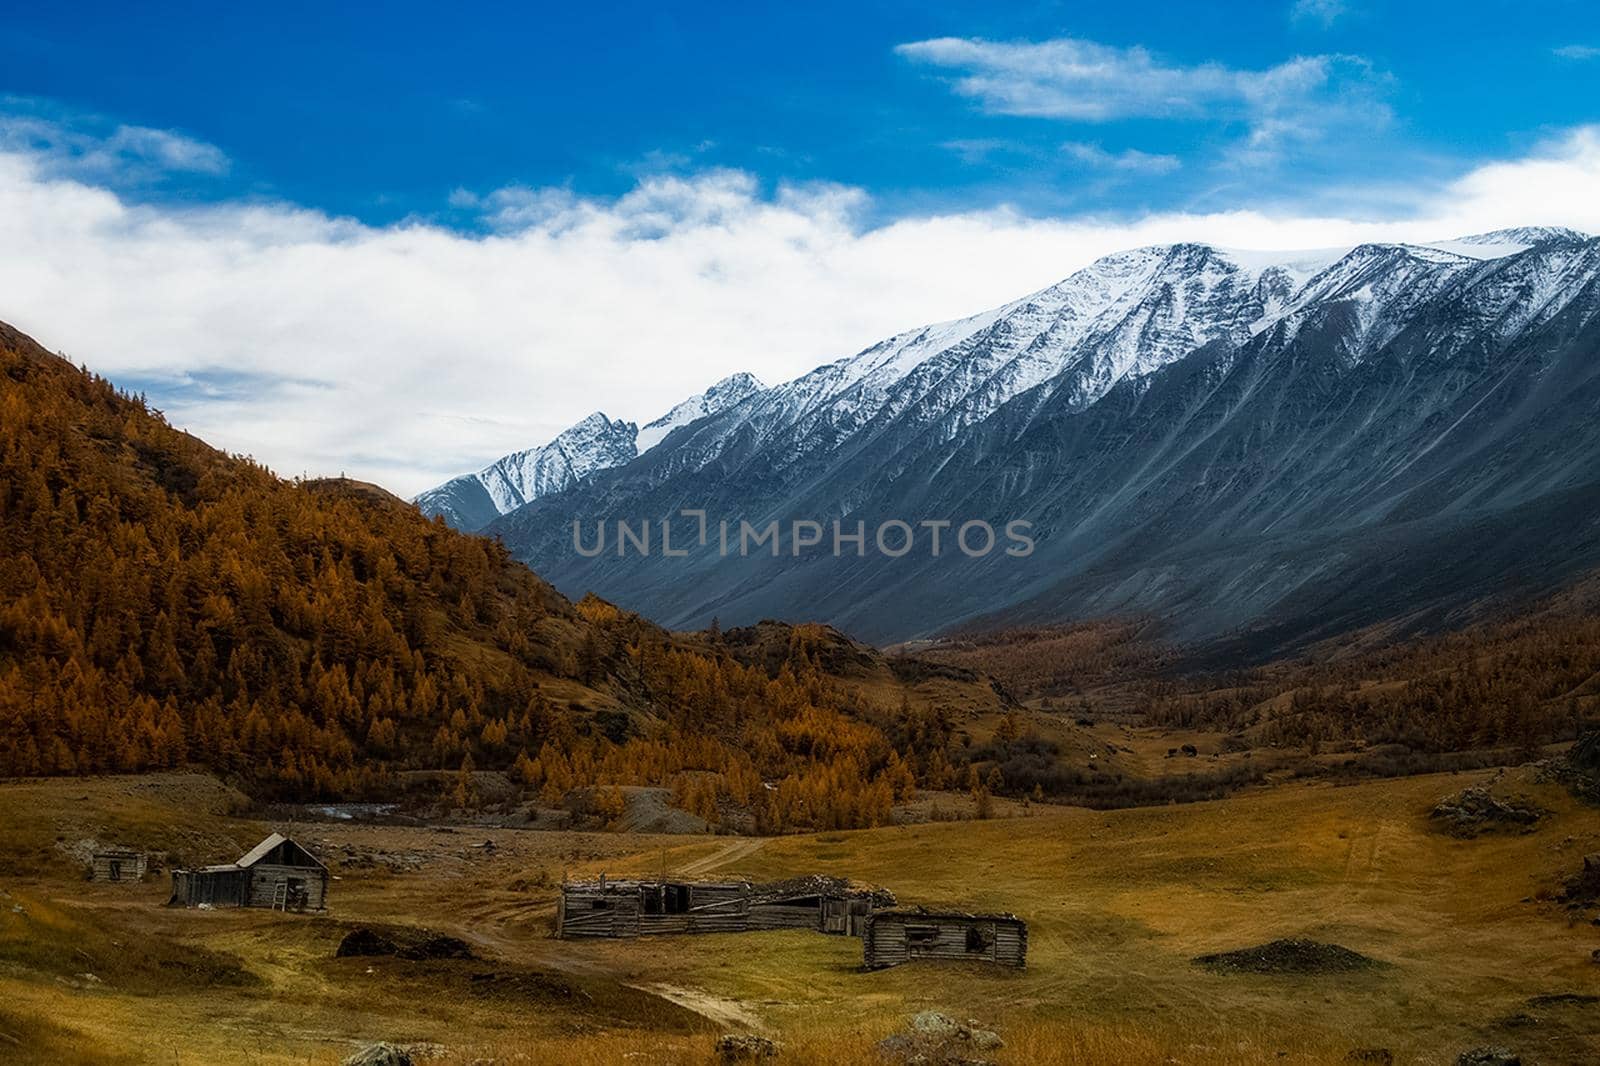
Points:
(1271, 446)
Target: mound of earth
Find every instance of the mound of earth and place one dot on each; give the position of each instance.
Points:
(1294, 955)
(650, 810)
(1474, 811)
(399, 943)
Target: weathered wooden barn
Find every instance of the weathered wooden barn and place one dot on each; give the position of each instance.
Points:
(276, 873)
(906, 935)
(117, 864)
(651, 908)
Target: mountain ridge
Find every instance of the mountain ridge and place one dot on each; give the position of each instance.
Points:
(596, 442)
(941, 421)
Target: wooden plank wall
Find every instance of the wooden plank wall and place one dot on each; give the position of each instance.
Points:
(129, 867)
(264, 878)
(888, 941)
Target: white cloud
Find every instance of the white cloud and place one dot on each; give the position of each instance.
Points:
(1578, 52)
(87, 147)
(1130, 160)
(980, 149)
(410, 352)
(1087, 81)
(1326, 12)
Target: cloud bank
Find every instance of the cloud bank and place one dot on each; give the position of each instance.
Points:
(407, 353)
(1085, 81)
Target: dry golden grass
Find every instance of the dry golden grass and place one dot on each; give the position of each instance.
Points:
(1118, 903)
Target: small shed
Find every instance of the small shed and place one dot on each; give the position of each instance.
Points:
(904, 935)
(118, 865)
(277, 873)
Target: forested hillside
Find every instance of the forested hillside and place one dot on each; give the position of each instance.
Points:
(1523, 680)
(163, 603)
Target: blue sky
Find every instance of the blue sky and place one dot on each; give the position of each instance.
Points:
(383, 111)
(401, 240)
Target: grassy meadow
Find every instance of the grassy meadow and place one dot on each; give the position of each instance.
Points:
(1472, 946)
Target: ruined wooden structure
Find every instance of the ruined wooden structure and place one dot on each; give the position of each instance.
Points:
(117, 865)
(651, 908)
(899, 936)
(277, 873)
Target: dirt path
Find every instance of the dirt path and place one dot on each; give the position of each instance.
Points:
(730, 852)
(729, 1013)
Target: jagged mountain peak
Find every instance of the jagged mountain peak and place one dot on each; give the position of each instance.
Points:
(719, 397)
(1526, 235)
(594, 443)
(471, 501)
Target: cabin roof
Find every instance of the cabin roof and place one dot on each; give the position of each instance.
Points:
(256, 854)
(923, 912)
(822, 885)
(259, 852)
(790, 888)
(117, 853)
(634, 885)
(273, 841)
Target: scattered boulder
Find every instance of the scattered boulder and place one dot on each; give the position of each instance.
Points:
(1489, 1056)
(1189, 751)
(1585, 753)
(985, 1039)
(1579, 768)
(1293, 955)
(379, 1055)
(935, 1039)
(1583, 887)
(745, 1047)
(935, 1026)
(1474, 811)
(411, 944)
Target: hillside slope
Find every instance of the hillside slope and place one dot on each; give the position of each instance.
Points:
(163, 603)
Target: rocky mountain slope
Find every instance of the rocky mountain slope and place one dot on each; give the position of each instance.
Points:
(1278, 446)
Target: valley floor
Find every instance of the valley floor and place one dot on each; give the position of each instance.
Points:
(1473, 946)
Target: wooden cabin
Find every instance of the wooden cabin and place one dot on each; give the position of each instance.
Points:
(894, 937)
(277, 873)
(117, 865)
(606, 908)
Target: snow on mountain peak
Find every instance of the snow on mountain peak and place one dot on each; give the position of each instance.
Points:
(1124, 316)
(719, 397)
(594, 443)
(1497, 244)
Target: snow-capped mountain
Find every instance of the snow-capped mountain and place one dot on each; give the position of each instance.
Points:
(1180, 399)
(719, 397)
(471, 501)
